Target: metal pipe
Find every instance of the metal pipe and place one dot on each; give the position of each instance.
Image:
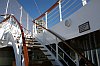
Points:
(7, 7)
(21, 15)
(27, 24)
(60, 10)
(46, 20)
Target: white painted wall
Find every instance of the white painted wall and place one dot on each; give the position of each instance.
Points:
(90, 12)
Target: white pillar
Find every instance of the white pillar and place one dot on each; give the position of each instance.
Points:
(27, 23)
(60, 10)
(35, 28)
(46, 20)
(21, 15)
(6, 9)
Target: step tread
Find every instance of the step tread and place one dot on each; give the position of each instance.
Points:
(44, 50)
(47, 55)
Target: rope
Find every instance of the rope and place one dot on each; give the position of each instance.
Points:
(37, 7)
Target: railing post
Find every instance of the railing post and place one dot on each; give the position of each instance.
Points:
(60, 10)
(21, 15)
(6, 9)
(56, 49)
(35, 28)
(46, 19)
(77, 59)
(27, 23)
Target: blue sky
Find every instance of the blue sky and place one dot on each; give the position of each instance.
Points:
(30, 7)
(43, 5)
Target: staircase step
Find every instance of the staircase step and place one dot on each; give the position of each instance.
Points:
(37, 43)
(28, 38)
(38, 46)
(28, 47)
(44, 60)
(56, 65)
(30, 43)
(44, 50)
(38, 60)
(48, 55)
(29, 50)
(51, 59)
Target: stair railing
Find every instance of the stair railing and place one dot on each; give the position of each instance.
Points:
(44, 41)
(62, 40)
(40, 41)
(25, 52)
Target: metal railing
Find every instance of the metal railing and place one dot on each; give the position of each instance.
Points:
(59, 11)
(62, 40)
(12, 22)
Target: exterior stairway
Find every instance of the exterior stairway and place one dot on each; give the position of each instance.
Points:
(39, 55)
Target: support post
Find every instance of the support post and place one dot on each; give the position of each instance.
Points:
(46, 19)
(27, 23)
(35, 28)
(60, 10)
(6, 9)
(77, 59)
(21, 15)
(56, 49)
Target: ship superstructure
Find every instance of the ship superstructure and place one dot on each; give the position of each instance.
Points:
(67, 34)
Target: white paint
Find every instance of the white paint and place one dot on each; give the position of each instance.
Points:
(89, 12)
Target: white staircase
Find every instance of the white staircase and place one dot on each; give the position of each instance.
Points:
(35, 44)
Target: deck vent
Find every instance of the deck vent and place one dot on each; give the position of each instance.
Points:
(84, 27)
